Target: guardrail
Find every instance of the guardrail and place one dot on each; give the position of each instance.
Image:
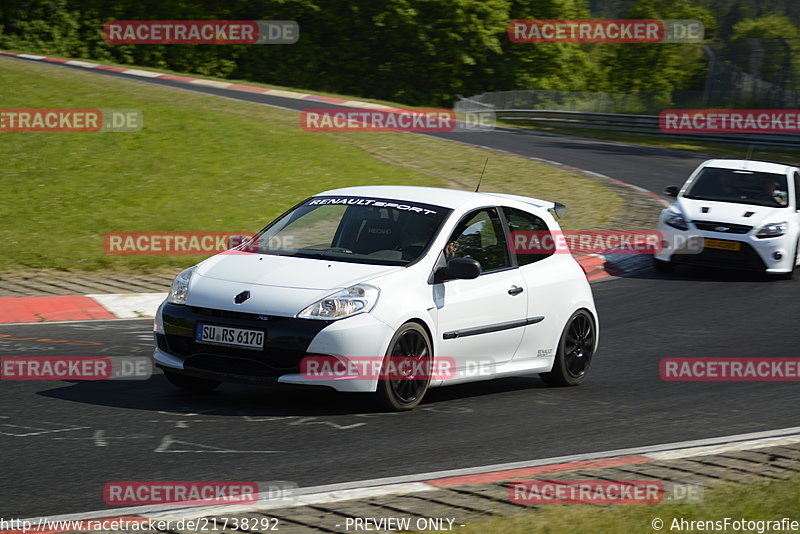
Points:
(638, 124)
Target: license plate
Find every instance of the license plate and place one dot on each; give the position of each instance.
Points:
(225, 335)
(722, 244)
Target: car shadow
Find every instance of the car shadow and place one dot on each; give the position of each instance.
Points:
(694, 273)
(236, 400)
(484, 388)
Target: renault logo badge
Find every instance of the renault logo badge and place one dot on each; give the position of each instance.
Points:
(241, 297)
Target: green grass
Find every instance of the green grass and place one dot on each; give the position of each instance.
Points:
(765, 501)
(204, 163)
(717, 150)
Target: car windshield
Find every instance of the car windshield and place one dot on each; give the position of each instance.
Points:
(740, 186)
(352, 229)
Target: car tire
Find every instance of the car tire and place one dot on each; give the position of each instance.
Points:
(663, 267)
(190, 383)
(410, 340)
(575, 351)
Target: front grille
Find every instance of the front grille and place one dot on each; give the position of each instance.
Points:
(730, 228)
(285, 344)
(227, 314)
(746, 258)
(232, 366)
(276, 359)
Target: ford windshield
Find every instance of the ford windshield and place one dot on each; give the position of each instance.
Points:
(740, 186)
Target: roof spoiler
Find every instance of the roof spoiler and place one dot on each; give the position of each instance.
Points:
(558, 209)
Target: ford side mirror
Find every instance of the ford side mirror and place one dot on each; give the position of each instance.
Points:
(458, 269)
(671, 190)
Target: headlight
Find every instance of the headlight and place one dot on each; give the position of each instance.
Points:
(180, 287)
(675, 220)
(772, 230)
(356, 299)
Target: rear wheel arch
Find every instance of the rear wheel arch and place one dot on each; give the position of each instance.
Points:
(562, 372)
(593, 316)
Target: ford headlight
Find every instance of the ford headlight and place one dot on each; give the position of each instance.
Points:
(773, 230)
(180, 287)
(675, 219)
(355, 299)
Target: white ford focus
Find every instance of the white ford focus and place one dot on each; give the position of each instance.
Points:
(739, 214)
(387, 274)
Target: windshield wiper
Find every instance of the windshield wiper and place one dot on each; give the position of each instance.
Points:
(309, 254)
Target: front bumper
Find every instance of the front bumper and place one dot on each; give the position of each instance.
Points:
(287, 341)
(754, 254)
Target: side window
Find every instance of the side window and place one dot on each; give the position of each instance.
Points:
(526, 230)
(796, 190)
(480, 236)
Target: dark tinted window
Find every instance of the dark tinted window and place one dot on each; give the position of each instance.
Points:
(526, 228)
(480, 236)
(740, 186)
(796, 190)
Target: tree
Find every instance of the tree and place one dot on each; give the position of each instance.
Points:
(775, 49)
(657, 67)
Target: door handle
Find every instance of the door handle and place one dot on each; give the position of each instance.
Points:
(515, 290)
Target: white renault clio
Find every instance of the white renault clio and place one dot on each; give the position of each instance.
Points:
(383, 273)
(738, 214)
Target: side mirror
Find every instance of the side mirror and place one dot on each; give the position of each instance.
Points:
(672, 190)
(558, 209)
(457, 269)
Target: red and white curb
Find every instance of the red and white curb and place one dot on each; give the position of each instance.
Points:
(199, 81)
(130, 305)
(79, 307)
(433, 481)
(602, 266)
